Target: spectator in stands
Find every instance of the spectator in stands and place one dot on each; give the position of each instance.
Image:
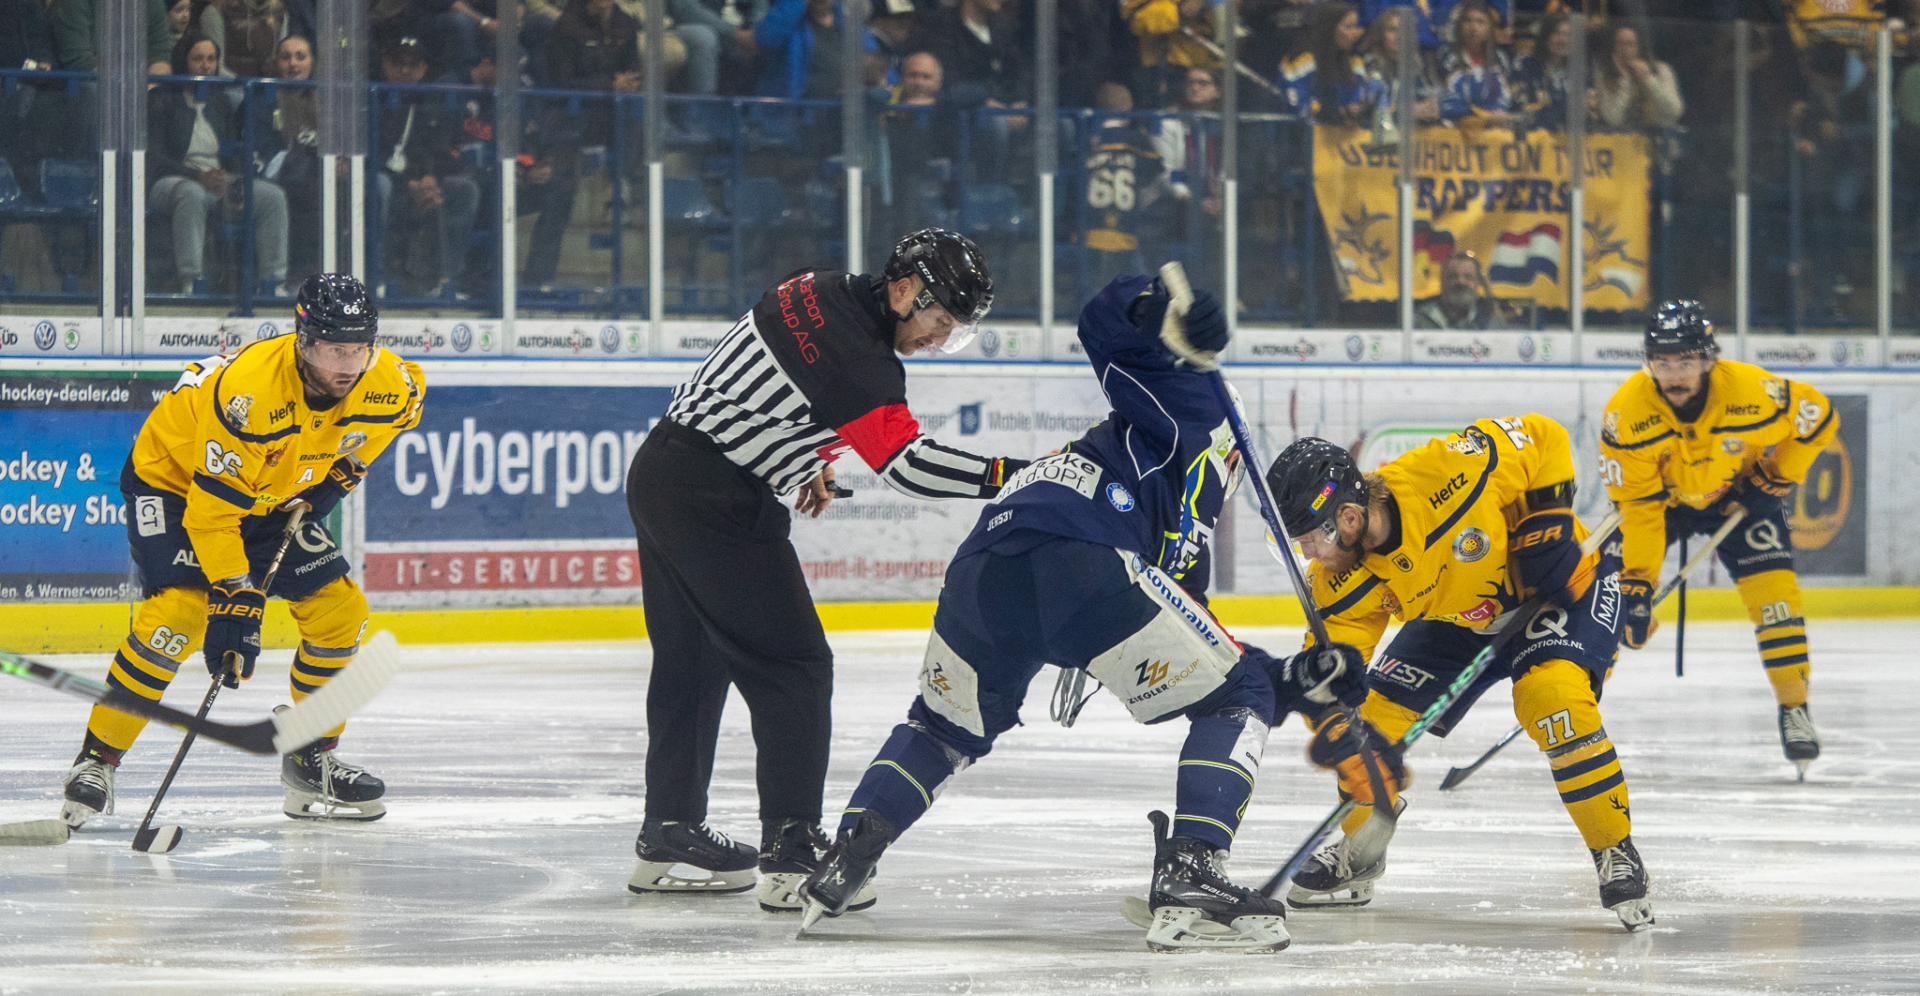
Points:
(247, 33)
(982, 55)
(1428, 14)
(1831, 130)
(1328, 82)
(1380, 53)
(184, 141)
(75, 32)
(424, 205)
(1095, 47)
(1633, 90)
(800, 41)
(595, 46)
(290, 146)
(1540, 79)
(1476, 68)
(1460, 304)
(1190, 150)
(717, 32)
(467, 31)
(179, 16)
(1170, 32)
(26, 42)
(547, 179)
(1125, 187)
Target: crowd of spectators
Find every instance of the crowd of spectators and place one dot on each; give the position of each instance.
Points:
(929, 65)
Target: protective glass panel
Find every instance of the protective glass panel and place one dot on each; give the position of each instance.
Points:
(49, 204)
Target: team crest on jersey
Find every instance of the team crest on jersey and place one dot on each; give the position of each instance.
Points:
(1471, 545)
(1120, 497)
(1777, 390)
(1472, 442)
(1610, 427)
(351, 441)
(237, 408)
(273, 456)
(1732, 445)
(1401, 561)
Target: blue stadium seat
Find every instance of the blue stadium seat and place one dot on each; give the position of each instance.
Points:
(992, 209)
(68, 185)
(759, 202)
(683, 201)
(10, 196)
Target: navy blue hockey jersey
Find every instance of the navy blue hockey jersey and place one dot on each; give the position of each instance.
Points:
(1151, 478)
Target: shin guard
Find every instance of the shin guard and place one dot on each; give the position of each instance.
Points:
(1773, 603)
(166, 629)
(331, 621)
(1218, 764)
(1555, 705)
(904, 778)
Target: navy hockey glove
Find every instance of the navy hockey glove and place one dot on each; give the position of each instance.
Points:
(234, 611)
(1547, 554)
(1206, 322)
(1321, 676)
(345, 475)
(1638, 624)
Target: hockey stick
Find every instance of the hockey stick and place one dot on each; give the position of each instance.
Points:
(1516, 624)
(1173, 333)
(163, 839)
(1680, 624)
(1457, 775)
(299, 726)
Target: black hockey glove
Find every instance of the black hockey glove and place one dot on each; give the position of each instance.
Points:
(1759, 491)
(345, 475)
(1547, 553)
(999, 470)
(234, 611)
(1637, 623)
(1317, 677)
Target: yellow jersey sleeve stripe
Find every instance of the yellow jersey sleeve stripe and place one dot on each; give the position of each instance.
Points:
(1748, 426)
(1472, 498)
(1642, 444)
(373, 419)
(223, 491)
(1352, 598)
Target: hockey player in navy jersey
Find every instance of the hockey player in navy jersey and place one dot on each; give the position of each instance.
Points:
(1096, 558)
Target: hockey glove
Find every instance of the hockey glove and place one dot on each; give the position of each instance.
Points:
(1638, 623)
(1333, 747)
(345, 475)
(1320, 676)
(234, 611)
(999, 471)
(1547, 554)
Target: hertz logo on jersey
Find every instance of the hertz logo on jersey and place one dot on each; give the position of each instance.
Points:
(381, 398)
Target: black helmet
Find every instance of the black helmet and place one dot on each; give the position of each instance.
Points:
(953, 269)
(1680, 327)
(334, 307)
(1310, 480)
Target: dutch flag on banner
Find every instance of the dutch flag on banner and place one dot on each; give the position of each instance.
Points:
(1520, 256)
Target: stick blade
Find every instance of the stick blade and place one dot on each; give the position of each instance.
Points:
(1454, 777)
(34, 833)
(159, 840)
(351, 689)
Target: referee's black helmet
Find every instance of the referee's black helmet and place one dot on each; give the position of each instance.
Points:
(953, 269)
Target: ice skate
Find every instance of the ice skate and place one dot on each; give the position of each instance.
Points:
(844, 880)
(1343, 872)
(789, 852)
(322, 787)
(1196, 907)
(89, 790)
(690, 857)
(1798, 738)
(1623, 884)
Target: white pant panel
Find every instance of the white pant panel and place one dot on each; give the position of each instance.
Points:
(1175, 660)
(951, 687)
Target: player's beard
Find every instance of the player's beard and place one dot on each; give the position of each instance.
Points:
(318, 386)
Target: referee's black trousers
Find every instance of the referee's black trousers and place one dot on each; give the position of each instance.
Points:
(726, 603)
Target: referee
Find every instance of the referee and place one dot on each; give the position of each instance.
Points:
(807, 375)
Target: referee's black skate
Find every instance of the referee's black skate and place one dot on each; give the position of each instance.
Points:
(1623, 884)
(1197, 908)
(690, 857)
(844, 880)
(322, 787)
(789, 852)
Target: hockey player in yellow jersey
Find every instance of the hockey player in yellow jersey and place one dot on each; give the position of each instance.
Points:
(1681, 443)
(207, 485)
(1450, 539)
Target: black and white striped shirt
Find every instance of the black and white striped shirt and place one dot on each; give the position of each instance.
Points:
(810, 373)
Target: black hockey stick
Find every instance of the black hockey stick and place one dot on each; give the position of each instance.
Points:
(1517, 623)
(1173, 333)
(1457, 775)
(160, 840)
(1680, 624)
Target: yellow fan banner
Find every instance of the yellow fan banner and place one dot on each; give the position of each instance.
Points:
(1502, 197)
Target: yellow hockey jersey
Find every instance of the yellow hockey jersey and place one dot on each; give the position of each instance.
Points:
(1458, 498)
(1650, 459)
(236, 438)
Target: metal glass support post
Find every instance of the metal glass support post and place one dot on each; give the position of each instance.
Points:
(506, 150)
(1742, 202)
(329, 213)
(1406, 95)
(853, 115)
(1883, 190)
(341, 70)
(120, 39)
(1577, 202)
(654, 133)
(1229, 13)
(1046, 152)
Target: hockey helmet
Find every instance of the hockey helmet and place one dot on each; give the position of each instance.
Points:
(954, 275)
(1680, 327)
(1310, 480)
(334, 307)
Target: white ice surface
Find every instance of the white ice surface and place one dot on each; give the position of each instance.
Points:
(516, 792)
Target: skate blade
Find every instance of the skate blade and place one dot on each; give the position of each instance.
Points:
(310, 806)
(34, 833)
(780, 893)
(1353, 894)
(1635, 914)
(1182, 929)
(1802, 765)
(1137, 912)
(680, 877)
(74, 814)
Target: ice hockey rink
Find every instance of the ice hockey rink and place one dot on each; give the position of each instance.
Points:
(514, 776)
